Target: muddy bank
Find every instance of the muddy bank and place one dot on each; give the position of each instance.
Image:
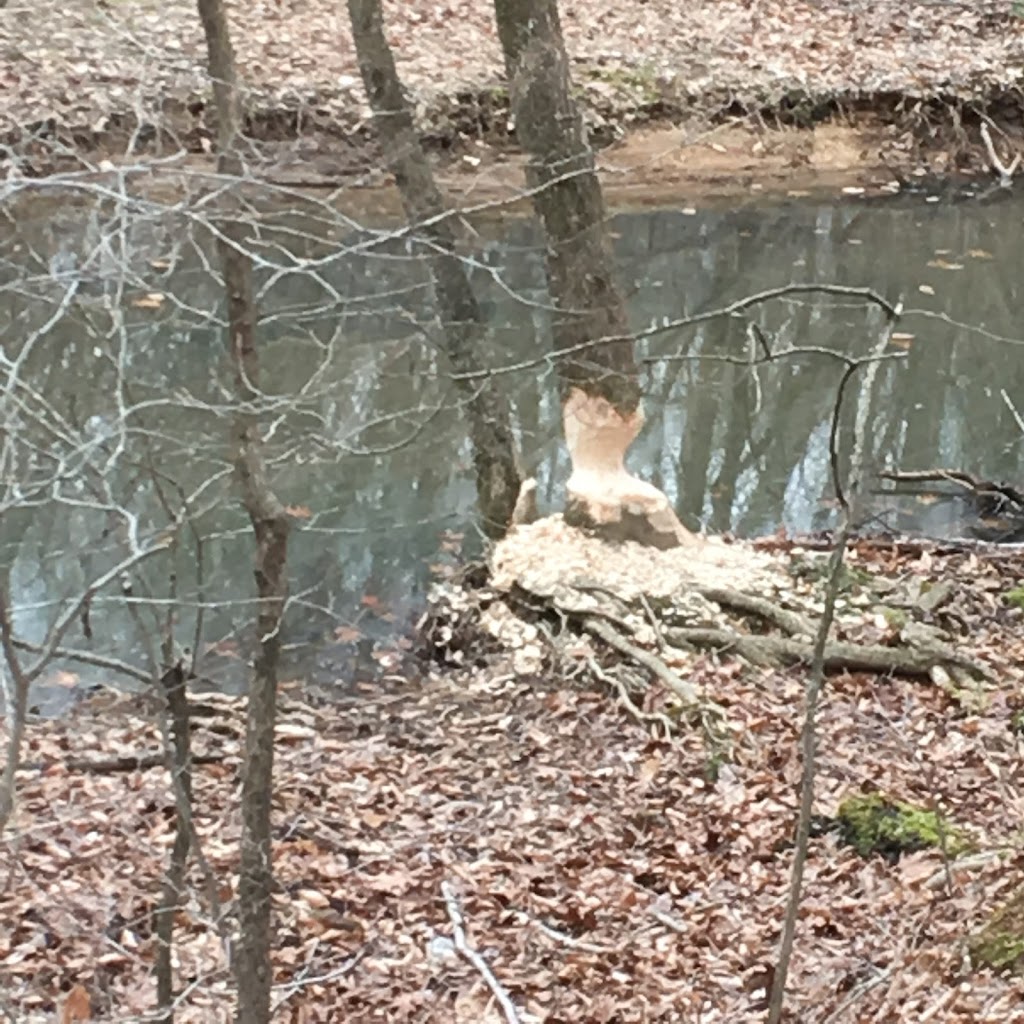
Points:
(875, 151)
(719, 96)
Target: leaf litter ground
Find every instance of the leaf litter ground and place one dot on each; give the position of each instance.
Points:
(604, 874)
(108, 65)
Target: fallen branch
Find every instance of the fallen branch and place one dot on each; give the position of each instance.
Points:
(686, 693)
(113, 765)
(451, 903)
(773, 651)
(1005, 171)
(976, 485)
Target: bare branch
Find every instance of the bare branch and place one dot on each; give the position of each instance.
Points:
(459, 937)
(1005, 171)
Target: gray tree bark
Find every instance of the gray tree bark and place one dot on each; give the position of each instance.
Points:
(270, 525)
(490, 430)
(601, 387)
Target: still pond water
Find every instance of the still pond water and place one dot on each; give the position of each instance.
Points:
(115, 315)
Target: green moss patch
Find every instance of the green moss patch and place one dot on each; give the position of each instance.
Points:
(999, 945)
(872, 824)
(1015, 597)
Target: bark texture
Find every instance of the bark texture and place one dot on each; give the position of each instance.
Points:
(176, 698)
(270, 527)
(17, 703)
(601, 388)
(497, 475)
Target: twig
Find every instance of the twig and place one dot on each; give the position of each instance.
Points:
(652, 619)
(451, 902)
(1013, 409)
(670, 922)
(288, 989)
(816, 680)
(855, 996)
(112, 765)
(566, 940)
(89, 658)
(1005, 172)
(643, 717)
(868, 295)
(645, 659)
(975, 862)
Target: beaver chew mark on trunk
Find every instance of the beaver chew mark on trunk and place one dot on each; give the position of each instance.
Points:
(603, 496)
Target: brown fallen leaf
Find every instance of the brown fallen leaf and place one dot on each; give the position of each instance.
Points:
(77, 1006)
(151, 300)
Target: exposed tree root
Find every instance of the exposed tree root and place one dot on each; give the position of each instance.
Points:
(791, 622)
(645, 659)
(554, 592)
(773, 651)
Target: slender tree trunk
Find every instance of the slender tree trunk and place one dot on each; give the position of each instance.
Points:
(16, 699)
(176, 698)
(270, 528)
(601, 388)
(497, 476)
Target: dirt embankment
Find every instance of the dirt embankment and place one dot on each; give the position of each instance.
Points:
(712, 95)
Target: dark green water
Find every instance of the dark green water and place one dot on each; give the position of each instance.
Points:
(119, 407)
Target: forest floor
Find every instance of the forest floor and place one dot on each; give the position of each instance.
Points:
(748, 91)
(604, 874)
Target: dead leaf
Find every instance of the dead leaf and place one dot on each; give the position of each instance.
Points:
(151, 300)
(298, 511)
(77, 1006)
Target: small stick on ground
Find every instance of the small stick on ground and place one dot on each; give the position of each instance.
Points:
(686, 693)
(643, 717)
(112, 765)
(451, 903)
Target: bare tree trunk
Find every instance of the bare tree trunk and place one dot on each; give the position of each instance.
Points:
(497, 475)
(176, 698)
(270, 527)
(601, 388)
(16, 699)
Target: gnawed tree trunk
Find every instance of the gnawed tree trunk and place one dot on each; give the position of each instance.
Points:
(270, 526)
(601, 389)
(497, 475)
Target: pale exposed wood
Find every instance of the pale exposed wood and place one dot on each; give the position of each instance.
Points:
(602, 495)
